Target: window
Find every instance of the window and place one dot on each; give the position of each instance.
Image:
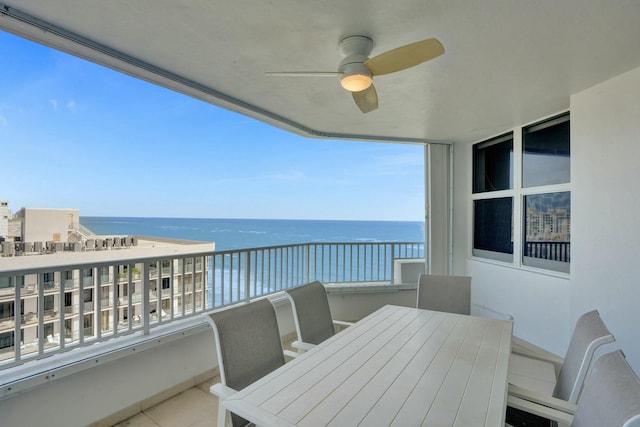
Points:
(547, 214)
(547, 225)
(88, 325)
(493, 228)
(11, 282)
(7, 340)
(541, 237)
(5, 283)
(545, 153)
(49, 302)
(6, 310)
(165, 283)
(48, 330)
(68, 328)
(492, 213)
(493, 164)
(105, 321)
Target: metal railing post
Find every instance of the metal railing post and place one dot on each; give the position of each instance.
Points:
(247, 276)
(145, 297)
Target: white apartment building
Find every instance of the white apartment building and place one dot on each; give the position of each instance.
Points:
(45, 224)
(81, 303)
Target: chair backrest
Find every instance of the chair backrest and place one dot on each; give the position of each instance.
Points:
(248, 344)
(611, 395)
(311, 312)
(444, 293)
(589, 333)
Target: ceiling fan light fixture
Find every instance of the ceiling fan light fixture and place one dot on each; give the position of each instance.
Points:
(356, 82)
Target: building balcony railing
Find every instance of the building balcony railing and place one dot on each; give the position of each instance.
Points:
(131, 304)
(555, 251)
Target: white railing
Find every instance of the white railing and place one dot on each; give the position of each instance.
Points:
(52, 310)
(262, 271)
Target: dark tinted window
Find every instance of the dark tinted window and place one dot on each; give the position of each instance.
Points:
(493, 225)
(493, 164)
(545, 153)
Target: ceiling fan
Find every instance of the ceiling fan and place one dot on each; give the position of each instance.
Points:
(357, 70)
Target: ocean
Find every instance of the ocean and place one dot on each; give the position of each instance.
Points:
(250, 233)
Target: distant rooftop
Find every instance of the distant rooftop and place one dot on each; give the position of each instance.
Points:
(100, 249)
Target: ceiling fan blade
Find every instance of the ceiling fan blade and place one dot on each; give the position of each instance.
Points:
(366, 100)
(303, 73)
(404, 57)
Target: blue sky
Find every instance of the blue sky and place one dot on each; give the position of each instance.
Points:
(77, 135)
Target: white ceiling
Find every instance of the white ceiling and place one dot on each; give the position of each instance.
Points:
(506, 62)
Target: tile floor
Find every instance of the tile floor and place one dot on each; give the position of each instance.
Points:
(195, 407)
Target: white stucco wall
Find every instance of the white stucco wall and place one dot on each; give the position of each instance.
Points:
(605, 231)
(538, 302)
(41, 225)
(94, 394)
(605, 150)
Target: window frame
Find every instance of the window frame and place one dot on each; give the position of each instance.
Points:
(518, 194)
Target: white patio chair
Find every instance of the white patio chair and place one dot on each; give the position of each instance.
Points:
(249, 347)
(540, 376)
(312, 315)
(611, 398)
(444, 293)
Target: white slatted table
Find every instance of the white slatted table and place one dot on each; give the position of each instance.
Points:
(398, 366)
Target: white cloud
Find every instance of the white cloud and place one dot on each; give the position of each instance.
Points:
(3, 121)
(71, 105)
(54, 104)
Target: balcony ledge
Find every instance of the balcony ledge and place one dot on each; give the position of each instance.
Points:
(42, 371)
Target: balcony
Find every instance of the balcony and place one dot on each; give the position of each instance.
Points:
(125, 337)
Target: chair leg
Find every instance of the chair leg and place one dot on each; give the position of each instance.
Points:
(224, 417)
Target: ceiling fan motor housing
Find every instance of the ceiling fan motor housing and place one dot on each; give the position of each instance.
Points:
(356, 50)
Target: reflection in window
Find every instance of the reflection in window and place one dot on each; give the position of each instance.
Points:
(545, 153)
(493, 164)
(547, 242)
(493, 228)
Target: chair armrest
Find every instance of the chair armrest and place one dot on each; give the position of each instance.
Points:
(222, 391)
(290, 354)
(301, 345)
(525, 348)
(339, 325)
(342, 323)
(562, 418)
(541, 399)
